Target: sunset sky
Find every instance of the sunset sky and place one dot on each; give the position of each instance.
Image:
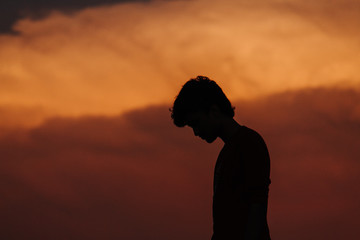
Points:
(87, 146)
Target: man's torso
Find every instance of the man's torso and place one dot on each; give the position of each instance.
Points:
(241, 177)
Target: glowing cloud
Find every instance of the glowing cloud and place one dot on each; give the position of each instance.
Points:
(106, 60)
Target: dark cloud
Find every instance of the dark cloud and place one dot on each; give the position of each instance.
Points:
(11, 11)
(337, 16)
(104, 178)
(136, 176)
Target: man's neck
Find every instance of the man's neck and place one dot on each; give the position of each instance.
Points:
(228, 129)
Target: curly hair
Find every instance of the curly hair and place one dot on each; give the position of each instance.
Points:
(199, 94)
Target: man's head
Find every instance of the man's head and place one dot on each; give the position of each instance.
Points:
(201, 104)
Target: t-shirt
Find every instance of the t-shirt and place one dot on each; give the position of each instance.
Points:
(242, 177)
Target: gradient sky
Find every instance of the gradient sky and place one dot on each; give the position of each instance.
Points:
(87, 148)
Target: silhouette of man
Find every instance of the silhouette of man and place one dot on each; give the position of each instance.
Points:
(242, 170)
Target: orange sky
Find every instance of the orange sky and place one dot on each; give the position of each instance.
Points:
(99, 157)
(105, 60)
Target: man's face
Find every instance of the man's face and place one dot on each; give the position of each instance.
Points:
(203, 125)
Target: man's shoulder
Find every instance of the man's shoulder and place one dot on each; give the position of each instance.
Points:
(249, 142)
(245, 142)
(247, 135)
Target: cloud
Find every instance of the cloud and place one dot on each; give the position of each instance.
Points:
(37, 9)
(98, 177)
(111, 59)
(136, 176)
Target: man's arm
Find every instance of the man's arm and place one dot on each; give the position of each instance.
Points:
(256, 221)
(257, 173)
